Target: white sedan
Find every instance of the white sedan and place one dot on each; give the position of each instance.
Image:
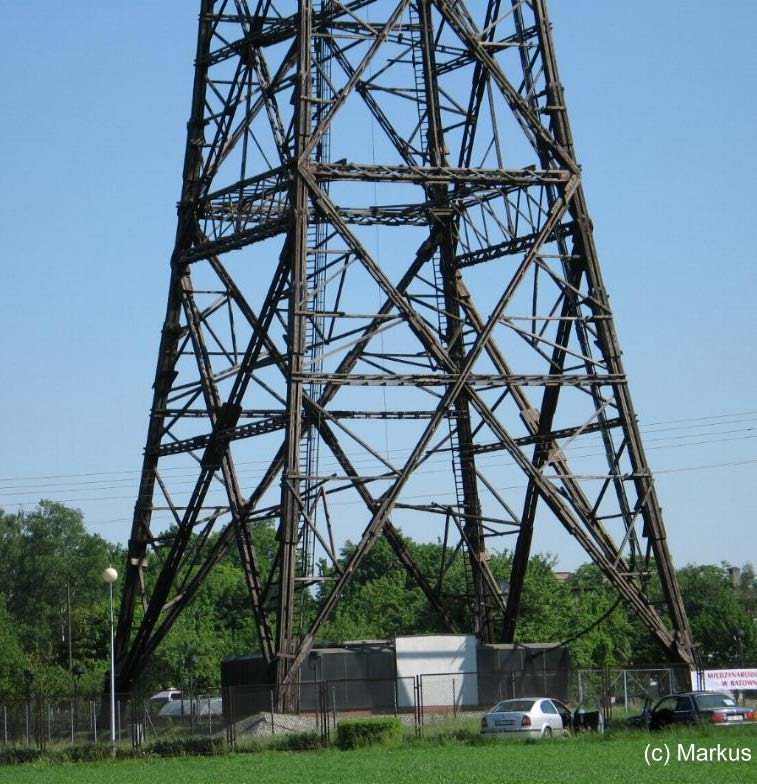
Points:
(528, 717)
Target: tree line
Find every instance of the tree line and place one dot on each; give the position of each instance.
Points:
(54, 627)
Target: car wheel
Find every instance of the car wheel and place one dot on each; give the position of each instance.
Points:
(547, 732)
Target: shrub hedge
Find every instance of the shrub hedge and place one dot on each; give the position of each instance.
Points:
(298, 741)
(359, 733)
(18, 755)
(85, 752)
(177, 747)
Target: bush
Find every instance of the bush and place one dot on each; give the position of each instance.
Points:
(253, 745)
(85, 752)
(360, 733)
(89, 752)
(18, 755)
(299, 741)
(177, 747)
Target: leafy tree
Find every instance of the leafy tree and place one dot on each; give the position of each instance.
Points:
(384, 607)
(53, 557)
(543, 604)
(719, 618)
(52, 554)
(12, 658)
(605, 633)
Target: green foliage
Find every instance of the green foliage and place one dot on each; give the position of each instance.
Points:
(197, 746)
(55, 561)
(85, 752)
(12, 657)
(719, 615)
(19, 755)
(544, 603)
(360, 733)
(54, 557)
(298, 741)
(591, 597)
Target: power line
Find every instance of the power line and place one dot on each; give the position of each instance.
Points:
(488, 462)
(137, 472)
(437, 494)
(575, 450)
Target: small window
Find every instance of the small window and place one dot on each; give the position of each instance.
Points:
(714, 700)
(518, 706)
(548, 707)
(684, 704)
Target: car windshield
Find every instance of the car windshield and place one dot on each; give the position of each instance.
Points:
(714, 701)
(523, 706)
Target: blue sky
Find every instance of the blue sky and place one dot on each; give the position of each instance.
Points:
(96, 98)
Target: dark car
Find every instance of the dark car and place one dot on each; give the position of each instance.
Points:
(695, 707)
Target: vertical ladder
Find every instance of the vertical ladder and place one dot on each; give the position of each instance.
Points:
(316, 263)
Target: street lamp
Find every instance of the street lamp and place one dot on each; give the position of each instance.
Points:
(110, 575)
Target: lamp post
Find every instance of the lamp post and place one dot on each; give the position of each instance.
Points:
(110, 575)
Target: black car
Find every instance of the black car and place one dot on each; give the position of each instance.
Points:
(695, 707)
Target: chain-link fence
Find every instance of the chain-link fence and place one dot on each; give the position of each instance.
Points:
(623, 692)
(39, 722)
(257, 713)
(458, 700)
(425, 703)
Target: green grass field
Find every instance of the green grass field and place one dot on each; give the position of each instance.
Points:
(585, 759)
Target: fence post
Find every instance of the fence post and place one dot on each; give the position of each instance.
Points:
(94, 718)
(580, 688)
(319, 711)
(454, 698)
(5, 723)
(421, 707)
(416, 706)
(625, 689)
(273, 726)
(322, 702)
(228, 711)
(136, 714)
